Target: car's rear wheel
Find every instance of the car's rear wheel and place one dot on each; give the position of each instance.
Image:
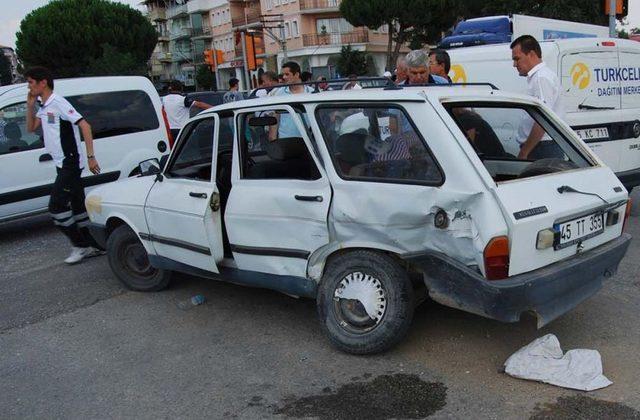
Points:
(129, 261)
(365, 302)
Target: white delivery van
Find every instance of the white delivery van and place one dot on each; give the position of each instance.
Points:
(600, 91)
(125, 114)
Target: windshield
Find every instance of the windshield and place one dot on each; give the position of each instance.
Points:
(479, 26)
(515, 141)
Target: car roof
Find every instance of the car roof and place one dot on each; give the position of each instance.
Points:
(99, 83)
(406, 94)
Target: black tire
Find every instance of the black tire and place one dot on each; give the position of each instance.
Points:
(345, 321)
(129, 261)
(547, 166)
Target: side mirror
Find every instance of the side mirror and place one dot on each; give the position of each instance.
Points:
(263, 121)
(149, 167)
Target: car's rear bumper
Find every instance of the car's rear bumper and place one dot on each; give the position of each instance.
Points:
(548, 292)
(630, 178)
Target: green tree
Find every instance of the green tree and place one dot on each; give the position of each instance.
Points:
(86, 38)
(352, 61)
(5, 70)
(205, 78)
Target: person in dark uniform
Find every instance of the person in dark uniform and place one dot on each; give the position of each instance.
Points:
(61, 126)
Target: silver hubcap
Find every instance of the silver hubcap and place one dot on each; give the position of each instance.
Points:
(357, 292)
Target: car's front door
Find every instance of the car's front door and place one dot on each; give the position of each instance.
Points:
(276, 214)
(182, 209)
(26, 169)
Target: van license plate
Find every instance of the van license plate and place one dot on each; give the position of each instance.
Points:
(577, 230)
(593, 133)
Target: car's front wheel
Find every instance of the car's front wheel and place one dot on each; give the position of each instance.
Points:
(129, 261)
(365, 302)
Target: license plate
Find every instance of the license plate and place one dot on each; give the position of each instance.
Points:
(577, 230)
(593, 133)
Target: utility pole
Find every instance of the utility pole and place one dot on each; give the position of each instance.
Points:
(247, 75)
(612, 18)
(215, 63)
(275, 21)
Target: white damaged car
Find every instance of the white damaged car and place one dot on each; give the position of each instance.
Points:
(369, 201)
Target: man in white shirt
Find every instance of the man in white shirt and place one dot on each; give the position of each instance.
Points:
(176, 106)
(543, 84)
(61, 125)
(267, 80)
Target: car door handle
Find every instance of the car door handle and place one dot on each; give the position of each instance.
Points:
(198, 195)
(316, 198)
(44, 158)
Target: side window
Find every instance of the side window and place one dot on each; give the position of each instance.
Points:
(377, 143)
(271, 147)
(116, 113)
(14, 136)
(194, 156)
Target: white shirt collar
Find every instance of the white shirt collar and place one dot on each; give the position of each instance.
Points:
(535, 70)
(49, 100)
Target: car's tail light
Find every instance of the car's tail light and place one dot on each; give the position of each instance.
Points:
(627, 213)
(496, 258)
(166, 125)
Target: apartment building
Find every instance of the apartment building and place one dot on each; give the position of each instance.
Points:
(160, 61)
(311, 32)
(315, 32)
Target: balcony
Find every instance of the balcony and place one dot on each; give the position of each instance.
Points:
(250, 16)
(163, 57)
(184, 32)
(319, 6)
(176, 11)
(157, 14)
(181, 56)
(202, 33)
(163, 35)
(338, 39)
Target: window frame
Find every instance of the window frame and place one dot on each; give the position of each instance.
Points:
(97, 136)
(543, 120)
(180, 144)
(307, 142)
(378, 105)
(40, 137)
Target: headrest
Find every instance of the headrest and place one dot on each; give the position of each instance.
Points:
(350, 147)
(286, 148)
(12, 131)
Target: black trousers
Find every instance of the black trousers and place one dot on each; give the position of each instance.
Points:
(67, 209)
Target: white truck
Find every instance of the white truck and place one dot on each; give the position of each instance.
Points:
(600, 91)
(504, 29)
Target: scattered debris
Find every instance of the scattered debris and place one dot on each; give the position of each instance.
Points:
(195, 300)
(542, 360)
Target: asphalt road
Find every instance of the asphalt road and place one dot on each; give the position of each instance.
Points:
(74, 344)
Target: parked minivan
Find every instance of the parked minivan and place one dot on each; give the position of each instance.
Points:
(125, 114)
(600, 92)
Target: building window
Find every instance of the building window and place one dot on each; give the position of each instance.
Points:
(294, 28)
(333, 25)
(268, 4)
(276, 2)
(287, 30)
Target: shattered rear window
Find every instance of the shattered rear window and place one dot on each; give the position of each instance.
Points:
(516, 141)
